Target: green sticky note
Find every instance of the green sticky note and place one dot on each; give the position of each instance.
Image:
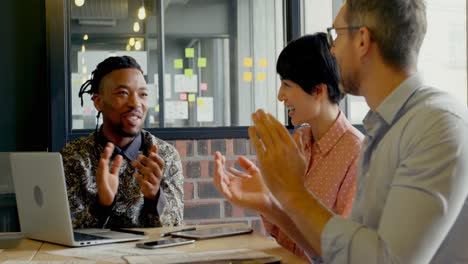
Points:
(188, 73)
(189, 52)
(191, 97)
(178, 64)
(201, 62)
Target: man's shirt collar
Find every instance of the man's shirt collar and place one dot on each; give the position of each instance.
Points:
(394, 102)
(388, 110)
(130, 152)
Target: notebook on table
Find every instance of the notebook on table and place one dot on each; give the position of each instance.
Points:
(42, 201)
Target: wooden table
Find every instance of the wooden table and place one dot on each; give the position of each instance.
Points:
(37, 250)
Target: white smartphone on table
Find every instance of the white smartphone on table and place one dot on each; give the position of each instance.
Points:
(165, 243)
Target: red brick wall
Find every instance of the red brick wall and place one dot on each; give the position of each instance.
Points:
(203, 203)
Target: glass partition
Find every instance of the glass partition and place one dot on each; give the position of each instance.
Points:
(218, 57)
(442, 59)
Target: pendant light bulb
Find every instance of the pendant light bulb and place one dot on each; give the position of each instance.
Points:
(137, 45)
(136, 27)
(79, 2)
(141, 13)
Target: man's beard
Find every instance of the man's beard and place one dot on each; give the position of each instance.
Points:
(128, 134)
(121, 132)
(349, 83)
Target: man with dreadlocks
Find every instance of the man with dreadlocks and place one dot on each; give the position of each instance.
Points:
(121, 175)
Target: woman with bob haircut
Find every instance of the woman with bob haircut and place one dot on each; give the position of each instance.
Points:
(309, 90)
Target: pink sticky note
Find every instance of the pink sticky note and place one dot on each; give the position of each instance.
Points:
(87, 111)
(203, 86)
(183, 96)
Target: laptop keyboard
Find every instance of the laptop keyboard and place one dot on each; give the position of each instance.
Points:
(87, 237)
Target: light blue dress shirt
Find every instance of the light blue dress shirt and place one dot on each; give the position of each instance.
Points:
(412, 185)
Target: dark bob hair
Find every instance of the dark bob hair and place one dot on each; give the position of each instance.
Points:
(308, 62)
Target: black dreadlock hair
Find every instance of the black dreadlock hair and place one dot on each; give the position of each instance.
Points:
(110, 64)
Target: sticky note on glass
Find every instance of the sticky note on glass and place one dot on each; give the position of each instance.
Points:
(247, 76)
(183, 96)
(188, 73)
(87, 111)
(201, 62)
(262, 63)
(200, 102)
(178, 64)
(156, 108)
(189, 52)
(248, 62)
(261, 76)
(203, 86)
(191, 97)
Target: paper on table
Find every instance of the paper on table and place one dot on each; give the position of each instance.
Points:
(200, 257)
(111, 253)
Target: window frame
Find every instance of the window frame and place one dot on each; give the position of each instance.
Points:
(58, 53)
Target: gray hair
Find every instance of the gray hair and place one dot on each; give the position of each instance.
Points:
(398, 27)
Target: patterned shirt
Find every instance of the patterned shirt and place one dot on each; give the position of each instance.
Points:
(130, 208)
(331, 174)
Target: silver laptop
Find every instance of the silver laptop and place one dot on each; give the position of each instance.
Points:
(42, 200)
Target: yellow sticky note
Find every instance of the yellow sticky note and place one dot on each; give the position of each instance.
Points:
(156, 108)
(200, 102)
(248, 62)
(201, 62)
(178, 63)
(191, 97)
(248, 76)
(188, 73)
(262, 63)
(189, 52)
(260, 76)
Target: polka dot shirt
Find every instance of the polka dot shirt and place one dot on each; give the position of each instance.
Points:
(331, 174)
